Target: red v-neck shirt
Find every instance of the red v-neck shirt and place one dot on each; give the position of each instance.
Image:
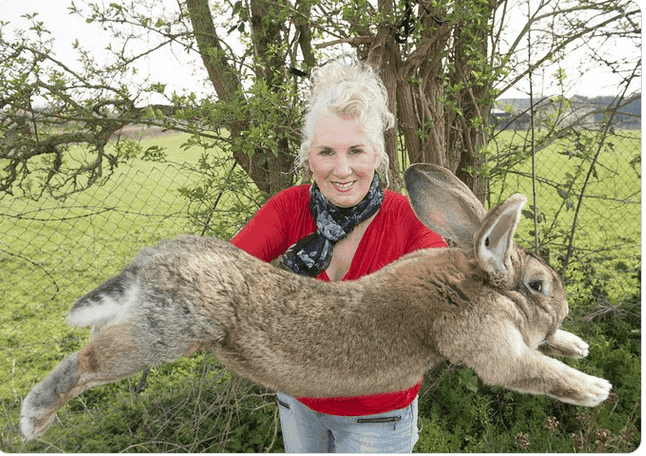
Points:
(394, 232)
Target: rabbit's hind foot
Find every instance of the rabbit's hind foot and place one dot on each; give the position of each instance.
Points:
(40, 406)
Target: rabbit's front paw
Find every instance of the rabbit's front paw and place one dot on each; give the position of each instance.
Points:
(579, 345)
(597, 391)
(571, 345)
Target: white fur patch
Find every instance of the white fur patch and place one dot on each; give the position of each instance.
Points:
(513, 341)
(106, 311)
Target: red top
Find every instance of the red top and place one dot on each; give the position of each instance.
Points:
(394, 232)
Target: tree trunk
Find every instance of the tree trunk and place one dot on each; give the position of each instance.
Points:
(272, 173)
(384, 55)
(414, 91)
(421, 93)
(466, 133)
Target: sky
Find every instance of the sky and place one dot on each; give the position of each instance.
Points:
(174, 67)
(183, 72)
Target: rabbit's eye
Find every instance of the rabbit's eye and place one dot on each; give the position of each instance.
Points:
(536, 285)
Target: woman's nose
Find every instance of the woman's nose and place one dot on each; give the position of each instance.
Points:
(342, 166)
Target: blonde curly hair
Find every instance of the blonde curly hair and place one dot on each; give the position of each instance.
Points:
(347, 86)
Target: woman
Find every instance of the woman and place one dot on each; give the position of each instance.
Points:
(342, 227)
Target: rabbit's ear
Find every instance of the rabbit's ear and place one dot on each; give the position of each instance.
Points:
(494, 240)
(443, 202)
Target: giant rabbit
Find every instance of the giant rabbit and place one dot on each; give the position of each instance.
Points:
(488, 304)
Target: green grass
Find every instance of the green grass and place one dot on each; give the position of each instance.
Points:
(194, 405)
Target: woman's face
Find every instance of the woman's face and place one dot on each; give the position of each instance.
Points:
(341, 159)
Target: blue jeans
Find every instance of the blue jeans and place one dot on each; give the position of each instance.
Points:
(307, 431)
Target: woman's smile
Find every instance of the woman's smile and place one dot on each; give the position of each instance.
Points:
(343, 186)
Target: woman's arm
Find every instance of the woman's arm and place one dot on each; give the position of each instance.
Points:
(276, 225)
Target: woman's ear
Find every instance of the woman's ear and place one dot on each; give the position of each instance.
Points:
(377, 162)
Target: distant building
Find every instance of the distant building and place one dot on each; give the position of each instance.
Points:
(515, 113)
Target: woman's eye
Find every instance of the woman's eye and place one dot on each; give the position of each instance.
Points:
(355, 151)
(326, 152)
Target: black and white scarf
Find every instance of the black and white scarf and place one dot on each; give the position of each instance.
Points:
(312, 254)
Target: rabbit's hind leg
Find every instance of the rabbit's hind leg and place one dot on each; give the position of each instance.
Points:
(42, 402)
(112, 355)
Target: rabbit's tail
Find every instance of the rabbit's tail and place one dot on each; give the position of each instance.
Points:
(109, 303)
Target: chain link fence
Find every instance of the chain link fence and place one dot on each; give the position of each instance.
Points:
(54, 251)
(583, 213)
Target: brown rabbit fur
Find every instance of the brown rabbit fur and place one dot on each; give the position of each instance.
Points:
(490, 305)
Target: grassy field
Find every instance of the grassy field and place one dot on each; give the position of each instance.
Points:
(608, 224)
(53, 252)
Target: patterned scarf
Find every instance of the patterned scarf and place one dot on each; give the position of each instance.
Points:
(312, 254)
